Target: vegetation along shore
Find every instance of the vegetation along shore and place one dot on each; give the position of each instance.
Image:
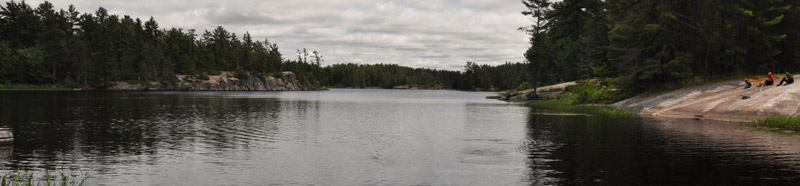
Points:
(665, 58)
(623, 53)
(101, 51)
(771, 107)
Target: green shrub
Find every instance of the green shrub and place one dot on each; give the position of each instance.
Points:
(591, 92)
(523, 86)
(169, 77)
(204, 76)
(71, 84)
(261, 76)
(241, 74)
(602, 71)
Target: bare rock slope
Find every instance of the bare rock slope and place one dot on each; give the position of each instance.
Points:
(720, 101)
(223, 82)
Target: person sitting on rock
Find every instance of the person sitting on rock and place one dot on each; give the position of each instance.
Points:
(770, 80)
(747, 84)
(788, 79)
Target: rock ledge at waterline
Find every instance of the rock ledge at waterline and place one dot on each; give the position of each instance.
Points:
(223, 82)
(720, 101)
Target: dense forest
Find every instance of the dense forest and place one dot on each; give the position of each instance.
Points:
(649, 43)
(475, 77)
(644, 43)
(46, 46)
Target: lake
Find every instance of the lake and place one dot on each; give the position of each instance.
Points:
(374, 137)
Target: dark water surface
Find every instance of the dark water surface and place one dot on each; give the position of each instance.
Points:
(374, 137)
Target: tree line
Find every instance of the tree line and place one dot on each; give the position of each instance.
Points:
(474, 77)
(647, 43)
(43, 45)
(46, 46)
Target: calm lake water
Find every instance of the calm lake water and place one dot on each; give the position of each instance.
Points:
(374, 137)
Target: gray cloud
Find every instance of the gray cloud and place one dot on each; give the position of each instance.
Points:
(441, 34)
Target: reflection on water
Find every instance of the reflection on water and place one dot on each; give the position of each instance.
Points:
(338, 137)
(6, 152)
(567, 150)
(373, 137)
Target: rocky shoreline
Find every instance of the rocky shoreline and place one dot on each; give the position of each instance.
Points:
(724, 101)
(418, 87)
(225, 81)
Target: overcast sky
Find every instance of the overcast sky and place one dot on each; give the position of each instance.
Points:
(441, 34)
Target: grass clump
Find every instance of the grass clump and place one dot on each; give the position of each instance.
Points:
(22, 177)
(565, 105)
(781, 123)
(593, 92)
(523, 86)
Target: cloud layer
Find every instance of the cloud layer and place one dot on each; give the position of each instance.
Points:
(441, 34)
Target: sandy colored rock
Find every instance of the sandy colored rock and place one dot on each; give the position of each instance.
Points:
(222, 82)
(546, 92)
(720, 101)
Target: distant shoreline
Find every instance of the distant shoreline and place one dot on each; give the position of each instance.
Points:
(225, 81)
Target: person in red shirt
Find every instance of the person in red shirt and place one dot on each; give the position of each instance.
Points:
(770, 80)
